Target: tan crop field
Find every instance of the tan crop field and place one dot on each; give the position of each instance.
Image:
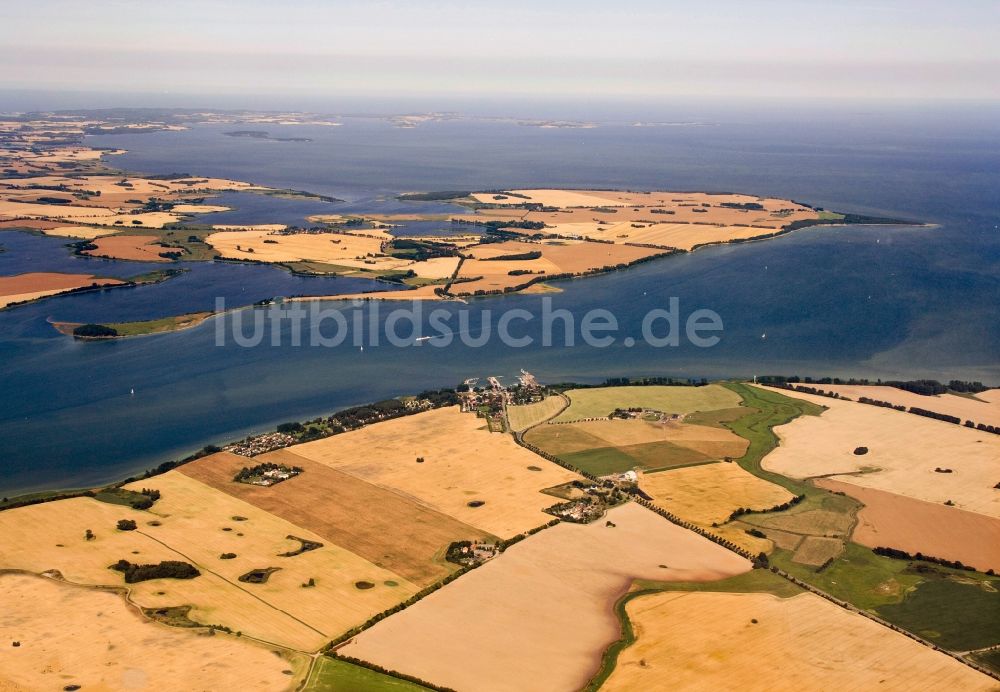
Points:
(610, 206)
(387, 528)
(598, 402)
(527, 415)
(903, 452)
(200, 518)
(697, 641)
(332, 248)
(463, 462)
(565, 257)
(71, 635)
(979, 409)
(545, 603)
(88, 232)
(894, 521)
(141, 248)
(709, 493)
(682, 236)
(50, 536)
(23, 287)
(195, 523)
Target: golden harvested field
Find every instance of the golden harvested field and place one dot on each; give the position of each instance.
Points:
(904, 449)
(76, 636)
(682, 236)
(525, 416)
(894, 521)
(88, 232)
(978, 410)
(50, 536)
(196, 525)
(198, 208)
(141, 248)
(463, 462)
(200, 518)
(598, 402)
(698, 641)
(251, 227)
(545, 603)
(22, 287)
(616, 206)
(101, 216)
(558, 257)
(709, 493)
(387, 528)
(332, 248)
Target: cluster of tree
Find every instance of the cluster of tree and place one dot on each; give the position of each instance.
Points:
(246, 473)
(95, 331)
(748, 206)
(903, 555)
(532, 255)
(739, 512)
(983, 427)
(652, 381)
(808, 390)
(882, 404)
(456, 552)
(168, 569)
(923, 387)
(127, 525)
(937, 416)
(305, 546)
(498, 225)
(441, 196)
(522, 272)
(419, 250)
(150, 496)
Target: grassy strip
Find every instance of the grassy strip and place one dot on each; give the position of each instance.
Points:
(754, 581)
(767, 410)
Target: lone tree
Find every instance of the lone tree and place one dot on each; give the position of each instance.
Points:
(89, 535)
(126, 525)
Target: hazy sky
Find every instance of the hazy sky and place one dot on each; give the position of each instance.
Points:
(760, 49)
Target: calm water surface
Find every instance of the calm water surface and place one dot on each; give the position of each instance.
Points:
(873, 301)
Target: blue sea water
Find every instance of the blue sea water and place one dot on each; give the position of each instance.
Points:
(877, 301)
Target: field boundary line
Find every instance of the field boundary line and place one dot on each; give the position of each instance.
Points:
(249, 593)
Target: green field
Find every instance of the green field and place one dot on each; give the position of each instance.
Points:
(601, 401)
(990, 659)
(958, 610)
(166, 324)
(957, 615)
(340, 676)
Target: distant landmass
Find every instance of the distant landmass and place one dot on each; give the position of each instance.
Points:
(261, 134)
